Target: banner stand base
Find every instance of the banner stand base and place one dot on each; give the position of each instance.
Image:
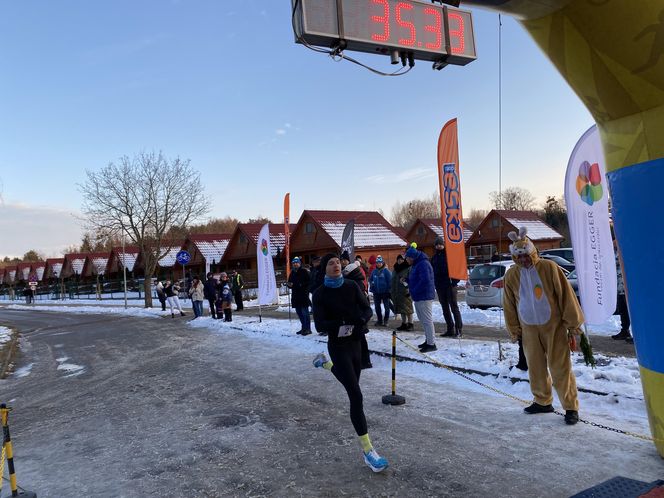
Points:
(393, 399)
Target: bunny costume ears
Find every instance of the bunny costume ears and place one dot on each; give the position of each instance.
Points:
(520, 243)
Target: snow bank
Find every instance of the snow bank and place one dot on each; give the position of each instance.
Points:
(623, 407)
(97, 310)
(492, 317)
(5, 335)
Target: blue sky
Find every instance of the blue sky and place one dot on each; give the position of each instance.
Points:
(223, 84)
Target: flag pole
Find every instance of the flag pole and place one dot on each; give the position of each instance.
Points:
(289, 312)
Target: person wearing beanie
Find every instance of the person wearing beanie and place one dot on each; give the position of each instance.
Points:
(446, 288)
(420, 283)
(299, 281)
(316, 274)
(540, 307)
(372, 264)
(353, 271)
(380, 285)
(210, 292)
(237, 284)
(363, 264)
(172, 290)
(342, 310)
(412, 251)
(400, 293)
(225, 298)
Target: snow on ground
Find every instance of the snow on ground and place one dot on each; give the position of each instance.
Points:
(623, 407)
(97, 310)
(5, 335)
(492, 317)
(91, 296)
(24, 371)
(70, 369)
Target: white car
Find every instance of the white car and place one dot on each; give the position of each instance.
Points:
(564, 252)
(484, 287)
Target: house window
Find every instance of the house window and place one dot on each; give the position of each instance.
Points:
(309, 228)
(495, 223)
(243, 238)
(420, 230)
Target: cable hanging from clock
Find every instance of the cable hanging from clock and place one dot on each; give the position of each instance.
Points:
(407, 30)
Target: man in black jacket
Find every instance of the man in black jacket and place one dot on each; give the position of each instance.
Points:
(210, 293)
(446, 288)
(298, 281)
(237, 284)
(317, 274)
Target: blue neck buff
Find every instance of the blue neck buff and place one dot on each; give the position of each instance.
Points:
(333, 282)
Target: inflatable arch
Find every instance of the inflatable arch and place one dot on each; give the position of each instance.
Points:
(611, 52)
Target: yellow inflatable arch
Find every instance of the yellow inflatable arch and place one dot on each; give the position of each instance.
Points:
(611, 52)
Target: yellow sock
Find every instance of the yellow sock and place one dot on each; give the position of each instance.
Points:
(366, 443)
(328, 365)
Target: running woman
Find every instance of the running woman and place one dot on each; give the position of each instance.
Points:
(342, 311)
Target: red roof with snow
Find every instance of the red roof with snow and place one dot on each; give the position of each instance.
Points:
(53, 267)
(372, 230)
(96, 263)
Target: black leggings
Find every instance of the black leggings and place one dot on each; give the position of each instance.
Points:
(346, 358)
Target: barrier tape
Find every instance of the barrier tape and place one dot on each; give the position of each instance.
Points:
(439, 364)
(520, 400)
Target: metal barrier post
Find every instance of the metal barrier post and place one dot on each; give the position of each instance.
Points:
(394, 398)
(7, 449)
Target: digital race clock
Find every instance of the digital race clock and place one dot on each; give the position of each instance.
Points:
(426, 31)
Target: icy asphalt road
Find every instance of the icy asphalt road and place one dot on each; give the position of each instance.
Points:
(117, 406)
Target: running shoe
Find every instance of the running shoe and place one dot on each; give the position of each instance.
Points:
(320, 360)
(375, 462)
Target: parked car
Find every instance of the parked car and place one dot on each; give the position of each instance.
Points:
(484, 287)
(563, 252)
(562, 262)
(574, 282)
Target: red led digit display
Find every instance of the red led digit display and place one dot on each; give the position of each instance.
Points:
(410, 41)
(456, 34)
(379, 26)
(435, 29)
(383, 21)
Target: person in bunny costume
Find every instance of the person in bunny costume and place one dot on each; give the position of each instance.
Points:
(540, 308)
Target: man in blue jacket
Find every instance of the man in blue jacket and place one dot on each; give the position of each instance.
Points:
(446, 288)
(381, 286)
(420, 283)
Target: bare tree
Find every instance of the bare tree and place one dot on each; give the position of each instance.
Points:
(512, 198)
(32, 256)
(216, 225)
(475, 217)
(145, 197)
(260, 219)
(405, 214)
(71, 249)
(554, 212)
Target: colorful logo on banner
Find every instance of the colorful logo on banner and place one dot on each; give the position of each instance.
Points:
(264, 247)
(589, 183)
(452, 202)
